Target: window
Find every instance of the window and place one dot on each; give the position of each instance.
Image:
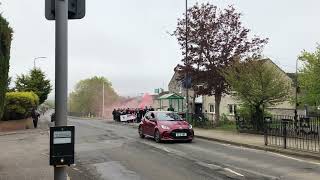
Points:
(211, 108)
(232, 108)
(164, 116)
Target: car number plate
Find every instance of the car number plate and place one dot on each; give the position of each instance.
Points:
(181, 134)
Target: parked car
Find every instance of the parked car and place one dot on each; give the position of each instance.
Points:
(165, 126)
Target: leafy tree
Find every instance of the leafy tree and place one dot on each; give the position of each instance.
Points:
(258, 84)
(5, 45)
(36, 82)
(309, 78)
(215, 39)
(87, 96)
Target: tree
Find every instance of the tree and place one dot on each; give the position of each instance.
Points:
(36, 82)
(215, 39)
(5, 46)
(309, 78)
(258, 83)
(87, 96)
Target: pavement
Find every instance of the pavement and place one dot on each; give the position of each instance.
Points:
(24, 153)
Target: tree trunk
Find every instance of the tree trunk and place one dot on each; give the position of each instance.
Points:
(259, 118)
(217, 100)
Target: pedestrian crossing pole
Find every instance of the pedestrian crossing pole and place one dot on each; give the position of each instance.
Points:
(61, 72)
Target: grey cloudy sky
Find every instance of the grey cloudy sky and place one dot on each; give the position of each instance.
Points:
(126, 40)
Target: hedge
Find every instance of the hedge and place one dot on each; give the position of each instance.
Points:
(5, 45)
(19, 105)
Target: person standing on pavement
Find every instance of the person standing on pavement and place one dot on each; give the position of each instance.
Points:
(171, 108)
(114, 114)
(35, 116)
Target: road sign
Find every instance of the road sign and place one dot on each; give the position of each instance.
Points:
(76, 9)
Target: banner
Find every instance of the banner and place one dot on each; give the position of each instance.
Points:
(127, 117)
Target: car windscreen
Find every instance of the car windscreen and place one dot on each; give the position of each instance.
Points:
(167, 116)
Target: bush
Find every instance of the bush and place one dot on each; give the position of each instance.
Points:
(19, 105)
(247, 112)
(226, 124)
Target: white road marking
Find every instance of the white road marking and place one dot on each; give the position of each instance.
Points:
(76, 169)
(236, 173)
(296, 159)
(165, 149)
(213, 166)
(44, 154)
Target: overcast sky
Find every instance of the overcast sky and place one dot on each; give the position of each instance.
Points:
(127, 41)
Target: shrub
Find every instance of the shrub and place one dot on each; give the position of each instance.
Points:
(247, 112)
(19, 105)
(226, 123)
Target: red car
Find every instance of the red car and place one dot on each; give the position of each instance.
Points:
(165, 126)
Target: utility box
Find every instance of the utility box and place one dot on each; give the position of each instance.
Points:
(76, 9)
(62, 145)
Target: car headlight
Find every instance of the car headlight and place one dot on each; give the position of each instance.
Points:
(190, 126)
(164, 127)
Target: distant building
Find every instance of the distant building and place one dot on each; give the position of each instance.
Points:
(229, 104)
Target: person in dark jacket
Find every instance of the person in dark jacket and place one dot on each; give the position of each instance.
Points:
(53, 117)
(114, 114)
(35, 117)
(171, 108)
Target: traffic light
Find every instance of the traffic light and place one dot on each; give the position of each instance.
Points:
(76, 9)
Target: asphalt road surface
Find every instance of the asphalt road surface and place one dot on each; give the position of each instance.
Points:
(115, 152)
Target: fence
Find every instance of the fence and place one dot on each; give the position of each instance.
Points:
(245, 125)
(198, 120)
(300, 134)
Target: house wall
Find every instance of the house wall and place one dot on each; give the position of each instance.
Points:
(224, 106)
(175, 86)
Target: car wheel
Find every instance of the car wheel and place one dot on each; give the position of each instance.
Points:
(189, 141)
(157, 137)
(141, 132)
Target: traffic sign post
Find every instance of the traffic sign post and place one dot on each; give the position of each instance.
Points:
(61, 11)
(76, 9)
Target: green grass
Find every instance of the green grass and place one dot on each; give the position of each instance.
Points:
(227, 127)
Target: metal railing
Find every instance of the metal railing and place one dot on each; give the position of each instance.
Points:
(288, 132)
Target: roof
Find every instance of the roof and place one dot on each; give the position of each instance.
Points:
(171, 96)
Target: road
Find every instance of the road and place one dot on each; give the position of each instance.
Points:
(115, 152)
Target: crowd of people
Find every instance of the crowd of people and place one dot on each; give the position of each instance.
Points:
(138, 113)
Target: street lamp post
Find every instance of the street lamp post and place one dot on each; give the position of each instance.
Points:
(102, 100)
(34, 61)
(186, 76)
(296, 99)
